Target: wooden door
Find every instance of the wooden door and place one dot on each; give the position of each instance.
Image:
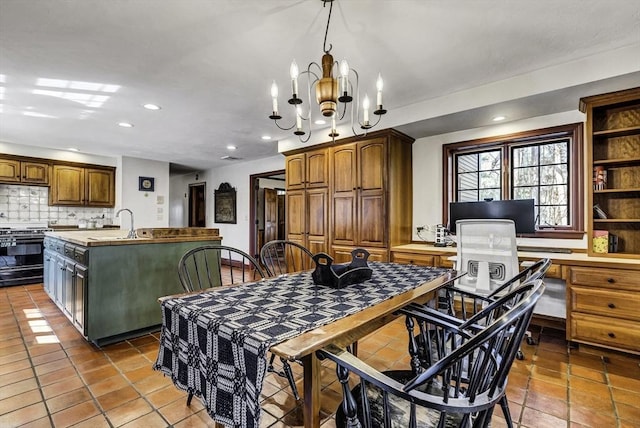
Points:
(67, 185)
(100, 187)
(9, 170)
(35, 172)
(295, 171)
(345, 183)
(317, 237)
(270, 215)
(317, 169)
(372, 173)
(197, 205)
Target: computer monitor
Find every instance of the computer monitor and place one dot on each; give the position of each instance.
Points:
(521, 211)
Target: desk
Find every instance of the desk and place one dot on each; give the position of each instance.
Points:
(215, 343)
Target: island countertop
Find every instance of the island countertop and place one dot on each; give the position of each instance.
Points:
(98, 238)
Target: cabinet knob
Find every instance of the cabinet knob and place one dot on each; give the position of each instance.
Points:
(611, 280)
(611, 335)
(611, 305)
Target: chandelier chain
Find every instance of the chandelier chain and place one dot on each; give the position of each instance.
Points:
(326, 31)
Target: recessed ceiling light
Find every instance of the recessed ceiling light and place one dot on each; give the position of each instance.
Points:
(266, 137)
(230, 147)
(152, 107)
(125, 124)
(320, 122)
(499, 118)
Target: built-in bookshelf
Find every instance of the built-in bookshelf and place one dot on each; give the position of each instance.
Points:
(613, 153)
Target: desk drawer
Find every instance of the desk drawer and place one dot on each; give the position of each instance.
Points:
(605, 278)
(614, 304)
(555, 271)
(621, 334)
(413, 259)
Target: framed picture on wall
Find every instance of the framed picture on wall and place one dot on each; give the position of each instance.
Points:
(146, 184)
(225, 204)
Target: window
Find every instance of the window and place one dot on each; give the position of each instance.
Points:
(544, 165)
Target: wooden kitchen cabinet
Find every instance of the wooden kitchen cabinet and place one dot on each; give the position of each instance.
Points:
(18, 171)
(307, 199)
(603, 308)
(82, 186)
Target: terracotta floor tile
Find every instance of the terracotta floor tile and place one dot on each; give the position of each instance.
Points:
(73, 415)
(128, 412)
(203, 420)
(165, 396)
(9, 344)
(591, 400)
(551, 376)
(178, 410)
(52, 366)
(587, 373)
(548, 388)
(57, 376)
(117, 398)
(68, 399)
(16, 348)
(16, 376)
(23, 415)
(93, 364)
(547, 404)
(626, 397)
(98, 421)
(108, 385)
(152, 383)
(14, 366)
(152, 419)
(19, 401)
(39, 423)
(629, 412)
(622, 382)
(18, 387)
(537, 419)
(590, 417)
(69, 384)
(36, 349)
(132, 363)
(13, 357)
(95, 376)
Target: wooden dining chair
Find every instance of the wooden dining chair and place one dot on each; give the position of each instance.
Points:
(280, 257)
(460, 387)
(217, 265)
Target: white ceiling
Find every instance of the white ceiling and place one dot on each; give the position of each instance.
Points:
(210, 63)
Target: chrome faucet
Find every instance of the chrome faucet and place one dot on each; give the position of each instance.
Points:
(132, 231)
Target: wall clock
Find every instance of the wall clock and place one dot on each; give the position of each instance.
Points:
(146, 184)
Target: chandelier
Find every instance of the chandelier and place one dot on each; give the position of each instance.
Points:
(334, 96)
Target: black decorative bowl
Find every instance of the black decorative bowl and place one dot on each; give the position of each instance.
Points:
(341, 275)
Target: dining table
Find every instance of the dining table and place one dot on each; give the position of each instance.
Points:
(214, 343)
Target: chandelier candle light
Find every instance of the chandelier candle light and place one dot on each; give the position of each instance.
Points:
(333, 95)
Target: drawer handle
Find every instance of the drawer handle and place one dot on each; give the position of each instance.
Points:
(611, 305)
(611, 280)
(612, 335)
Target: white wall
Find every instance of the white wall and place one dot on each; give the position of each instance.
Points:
(237, 175)
(149, 208)
(427, 171)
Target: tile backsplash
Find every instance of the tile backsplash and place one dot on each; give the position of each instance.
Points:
(22, 204)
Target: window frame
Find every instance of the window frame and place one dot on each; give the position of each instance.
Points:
(505, 143)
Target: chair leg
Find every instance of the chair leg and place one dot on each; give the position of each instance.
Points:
(289, 373)
(353, 348)
(189, 397)
(504, 404)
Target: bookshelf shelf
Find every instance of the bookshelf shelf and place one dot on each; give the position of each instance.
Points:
(613, 138)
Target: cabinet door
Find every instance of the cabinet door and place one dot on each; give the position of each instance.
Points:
(49, 258)
(100, 187)
(317, 169)
(295, 171)
(317, 201)
(344, 179)
(9, 170)
(296, 212)
(79, 286)
(67, 288)
(67, 185)
(35, 172)
(372, 172)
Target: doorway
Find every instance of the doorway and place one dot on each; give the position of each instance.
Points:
(197, 205)
(267, 214)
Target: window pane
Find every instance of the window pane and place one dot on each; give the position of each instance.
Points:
(489, 194)
(553, 216)
(526, 193)
(553, 195)
(468, 163)
(468, 196)
(490, 160)
(554, 174)
(525, 156)
(468, 181)
(525, 176)
(554, 153)
(490, 179)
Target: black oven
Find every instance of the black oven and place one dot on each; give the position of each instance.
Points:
(20, 256)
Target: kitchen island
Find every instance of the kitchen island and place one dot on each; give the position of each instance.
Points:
(108, 285)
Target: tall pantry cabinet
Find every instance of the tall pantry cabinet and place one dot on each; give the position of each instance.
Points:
(368, 203)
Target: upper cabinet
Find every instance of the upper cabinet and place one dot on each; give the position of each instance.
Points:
(30, 172)
(613, 153)
(307, 170)
(82, 186)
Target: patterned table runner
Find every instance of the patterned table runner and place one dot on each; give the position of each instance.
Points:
(214, 344)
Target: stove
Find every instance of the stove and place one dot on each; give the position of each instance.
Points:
(21, 248)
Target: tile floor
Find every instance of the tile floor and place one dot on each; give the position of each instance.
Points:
(50, 376)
